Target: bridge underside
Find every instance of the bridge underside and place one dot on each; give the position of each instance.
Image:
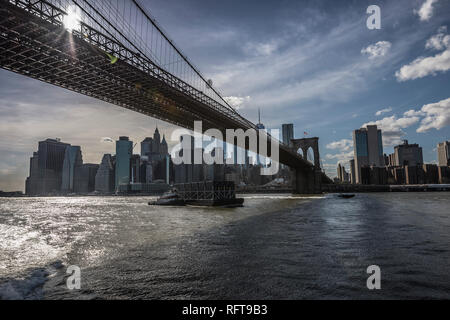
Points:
(34, 43)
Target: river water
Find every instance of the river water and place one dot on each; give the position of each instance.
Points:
(276, 247)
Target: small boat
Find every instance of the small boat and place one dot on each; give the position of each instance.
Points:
(168, 199)
(346, 196)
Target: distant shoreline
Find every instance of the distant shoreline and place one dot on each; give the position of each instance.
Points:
(328, 189)
(340, 188)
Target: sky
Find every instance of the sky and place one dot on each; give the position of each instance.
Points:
(311, 63)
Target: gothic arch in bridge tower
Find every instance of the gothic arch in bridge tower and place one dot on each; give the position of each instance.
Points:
(304, 145)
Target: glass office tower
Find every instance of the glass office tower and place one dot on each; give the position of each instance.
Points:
(124, 152)
(368, 149)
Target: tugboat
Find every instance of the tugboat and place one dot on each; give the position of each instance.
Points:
(170, 198)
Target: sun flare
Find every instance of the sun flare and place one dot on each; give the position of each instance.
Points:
(72, 20)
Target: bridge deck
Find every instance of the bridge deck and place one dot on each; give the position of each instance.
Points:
(34, 43)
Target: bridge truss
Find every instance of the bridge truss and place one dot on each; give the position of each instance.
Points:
(131, 63)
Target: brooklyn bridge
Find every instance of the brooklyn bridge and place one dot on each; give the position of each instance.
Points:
(115, 51)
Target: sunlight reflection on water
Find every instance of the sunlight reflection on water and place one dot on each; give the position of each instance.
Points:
(276, 246)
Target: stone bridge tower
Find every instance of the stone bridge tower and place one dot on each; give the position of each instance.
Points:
(308, 180)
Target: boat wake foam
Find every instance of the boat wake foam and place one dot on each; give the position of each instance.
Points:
(30, 287)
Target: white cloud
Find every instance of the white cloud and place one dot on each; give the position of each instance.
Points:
(387, 110)
(343, 145)
(426, 10)
(392, 128)
(302, 72)
(424, 66)
(379, 49)
(436, 116)
(237, 102)
(342, 157)
(413, 113)
(314, 70)
(433, 116)
(345, 149)
(440, 41)
(330, 168)
(261, 49)
(107, 139)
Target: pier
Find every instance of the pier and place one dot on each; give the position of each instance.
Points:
(358, 188)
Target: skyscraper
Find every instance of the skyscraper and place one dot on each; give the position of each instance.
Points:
(288, 133)
(247, 160)
(84, 181)
(231, 153)
(260, 126)
(146, 147)
(342, 174)
(184, 171)
(352, 172)
(31, 188)
(51, 155)
(72, 159)
(216, 171)
(104, 180)
(443, 150)
(135, 168)
(124, 152)
(408, 154)
(164, 148)
(153, 161)
(156, 141)
(368, 149)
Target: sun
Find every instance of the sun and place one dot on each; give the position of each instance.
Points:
(72, 20)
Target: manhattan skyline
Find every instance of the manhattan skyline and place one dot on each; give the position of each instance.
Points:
(314, 65)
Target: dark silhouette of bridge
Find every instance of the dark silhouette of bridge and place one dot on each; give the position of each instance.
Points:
(116, 52)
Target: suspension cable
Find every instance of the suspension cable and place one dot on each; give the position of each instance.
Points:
(182, 55)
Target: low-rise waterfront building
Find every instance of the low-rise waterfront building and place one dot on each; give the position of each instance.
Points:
(408, 155)
(444, 174)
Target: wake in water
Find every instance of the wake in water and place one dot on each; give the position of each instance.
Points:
(276, 247)
(30, 287)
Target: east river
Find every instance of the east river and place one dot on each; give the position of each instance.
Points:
(276, 247)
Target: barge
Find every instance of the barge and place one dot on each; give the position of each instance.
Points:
(209, 194)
